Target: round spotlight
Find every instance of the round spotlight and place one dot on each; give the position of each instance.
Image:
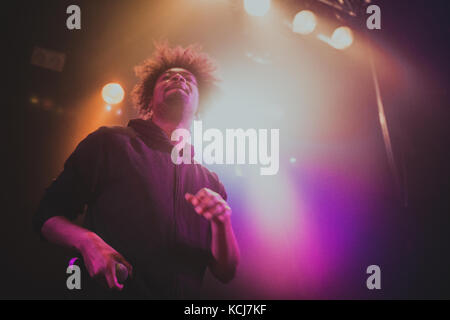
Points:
(342, 38)
(304, 22)
(257, 7)
(108, 107)
(34, 100)
(113, 93)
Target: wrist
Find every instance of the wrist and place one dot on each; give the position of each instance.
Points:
(222, 221)
(85, 241)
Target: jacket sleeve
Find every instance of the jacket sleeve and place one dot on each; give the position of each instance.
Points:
(76, 185)
(220, 188)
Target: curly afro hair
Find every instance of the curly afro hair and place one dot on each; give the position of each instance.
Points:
(190, 58)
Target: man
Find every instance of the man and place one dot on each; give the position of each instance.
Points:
(164, 223)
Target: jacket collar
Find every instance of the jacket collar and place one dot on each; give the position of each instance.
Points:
(153, 135)
(150, 132)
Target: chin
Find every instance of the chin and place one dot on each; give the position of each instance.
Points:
(176, 99)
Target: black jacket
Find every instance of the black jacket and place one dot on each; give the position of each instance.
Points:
(134, 196)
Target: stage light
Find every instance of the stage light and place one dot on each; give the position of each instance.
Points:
(34, 100)
(119, 112)
(304, 22)
(342, 38)
(108, 107)
(257, 7)
(113, 93)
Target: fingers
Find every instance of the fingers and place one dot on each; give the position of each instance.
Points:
(129, 267)
(201, 202)
(197, 201)
(208, 203)
(204, 205)
(206, 192)
(107, 275)
(203, 198)
(111, 278)
(213, 211)
(107, 278)
(218, 209)
(191, 198)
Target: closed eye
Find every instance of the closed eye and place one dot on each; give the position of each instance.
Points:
(187, 76)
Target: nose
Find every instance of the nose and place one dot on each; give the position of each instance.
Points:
(178, 77)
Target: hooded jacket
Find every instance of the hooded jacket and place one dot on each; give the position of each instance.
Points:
(133, 196)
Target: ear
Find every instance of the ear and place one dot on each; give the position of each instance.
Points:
(148, 112)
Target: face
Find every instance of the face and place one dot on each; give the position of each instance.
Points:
(175, 96)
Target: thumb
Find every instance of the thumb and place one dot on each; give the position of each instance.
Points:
(121, 261)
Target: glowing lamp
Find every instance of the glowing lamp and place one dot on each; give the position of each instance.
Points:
(304, 22)
(257, 7)
(342, 38)
(113, 93)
